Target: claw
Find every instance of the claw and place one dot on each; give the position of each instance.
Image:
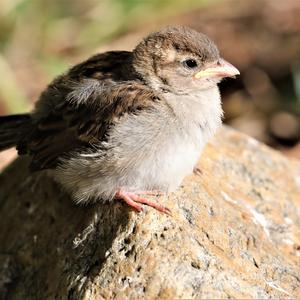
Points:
(135, 201)
(197, 171)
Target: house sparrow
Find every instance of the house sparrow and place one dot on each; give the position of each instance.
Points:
(123, 124)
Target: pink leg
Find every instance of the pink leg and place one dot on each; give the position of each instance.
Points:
(135, 201)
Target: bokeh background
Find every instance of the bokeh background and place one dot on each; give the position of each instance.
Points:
(40, 39)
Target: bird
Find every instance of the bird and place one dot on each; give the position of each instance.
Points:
(126, 124)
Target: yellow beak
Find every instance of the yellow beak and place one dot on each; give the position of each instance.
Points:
(221, 69)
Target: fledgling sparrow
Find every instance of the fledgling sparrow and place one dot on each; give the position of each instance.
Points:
(123, 124)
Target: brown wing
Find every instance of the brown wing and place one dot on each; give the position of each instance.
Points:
(70, 126)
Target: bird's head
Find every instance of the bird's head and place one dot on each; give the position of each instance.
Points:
(180, 60)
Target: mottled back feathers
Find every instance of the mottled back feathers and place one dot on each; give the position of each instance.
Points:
(72, 126)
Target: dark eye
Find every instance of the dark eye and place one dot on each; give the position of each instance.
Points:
(190, 63)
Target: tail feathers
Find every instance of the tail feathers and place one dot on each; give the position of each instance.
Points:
(12, 129)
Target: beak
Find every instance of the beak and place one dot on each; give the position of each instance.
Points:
(221, 69)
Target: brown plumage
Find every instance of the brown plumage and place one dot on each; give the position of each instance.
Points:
(69, 125)
(100, 124)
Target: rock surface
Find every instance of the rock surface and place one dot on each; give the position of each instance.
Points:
(234, 233)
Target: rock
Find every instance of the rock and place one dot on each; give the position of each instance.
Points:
(234, 233)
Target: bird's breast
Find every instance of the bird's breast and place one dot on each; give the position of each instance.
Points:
(156, 149)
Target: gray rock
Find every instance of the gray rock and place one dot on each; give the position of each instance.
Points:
(234, 233)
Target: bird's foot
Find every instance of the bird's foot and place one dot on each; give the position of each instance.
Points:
(136, 201)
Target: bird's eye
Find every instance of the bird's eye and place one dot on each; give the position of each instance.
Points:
(190, 63)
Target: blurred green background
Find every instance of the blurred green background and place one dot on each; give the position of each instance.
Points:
(40, 39)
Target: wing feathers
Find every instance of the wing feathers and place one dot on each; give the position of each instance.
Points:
(70, 127)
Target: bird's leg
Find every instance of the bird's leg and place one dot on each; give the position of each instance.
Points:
(136, 201)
